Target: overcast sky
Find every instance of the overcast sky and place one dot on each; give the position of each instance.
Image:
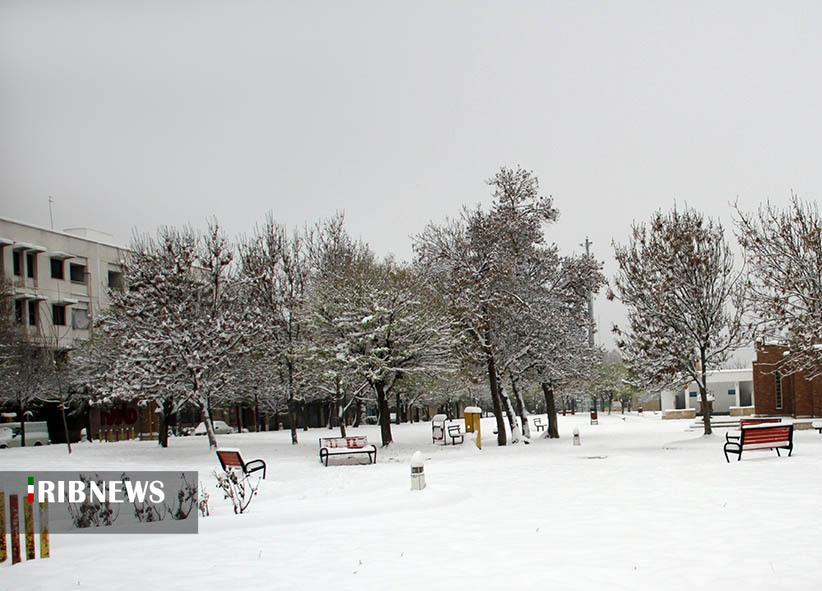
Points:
(137, 114)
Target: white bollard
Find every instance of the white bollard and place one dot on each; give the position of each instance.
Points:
(576, 436)
(417, 472)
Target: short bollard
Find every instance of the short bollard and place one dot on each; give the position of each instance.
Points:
(576, 436)
(417, 472)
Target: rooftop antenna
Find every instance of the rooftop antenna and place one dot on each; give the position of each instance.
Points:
(51, 214)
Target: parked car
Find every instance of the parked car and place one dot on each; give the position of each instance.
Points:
(37, 434)
(220, 428)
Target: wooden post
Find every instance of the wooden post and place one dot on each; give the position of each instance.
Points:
(14, 515)
(28, 523)
(44, 530)
(3, 551)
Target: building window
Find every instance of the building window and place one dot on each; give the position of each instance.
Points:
(79, 318)
(58, 269)
(19, 307)
(731, 392)
(17, 262)
(58, 314)
(778, 390)
(115, 280)
(34, 306)
(31, 264)
(77, 273)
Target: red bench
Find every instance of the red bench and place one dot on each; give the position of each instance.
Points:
(230, 459)
(336, 446)
(764, 436)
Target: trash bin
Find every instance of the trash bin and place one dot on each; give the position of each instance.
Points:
(472, 415)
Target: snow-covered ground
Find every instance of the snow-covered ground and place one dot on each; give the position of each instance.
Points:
(641, 504)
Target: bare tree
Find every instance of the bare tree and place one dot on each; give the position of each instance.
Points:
(784, 251)
(684, 299)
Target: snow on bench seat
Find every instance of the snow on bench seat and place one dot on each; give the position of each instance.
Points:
(338, 446)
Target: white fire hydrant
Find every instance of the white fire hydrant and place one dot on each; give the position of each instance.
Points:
(417, 471)
(576, 436)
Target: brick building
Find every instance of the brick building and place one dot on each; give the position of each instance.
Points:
(779, 395)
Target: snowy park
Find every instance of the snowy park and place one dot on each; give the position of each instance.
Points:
(641, 503)
(453, 296)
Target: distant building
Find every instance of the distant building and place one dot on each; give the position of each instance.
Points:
(60, 279)
(777, 394)
(728, 387)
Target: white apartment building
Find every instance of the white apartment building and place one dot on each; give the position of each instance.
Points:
(59, 279)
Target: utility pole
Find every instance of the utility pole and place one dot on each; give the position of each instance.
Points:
(51, 214)
(587, 244)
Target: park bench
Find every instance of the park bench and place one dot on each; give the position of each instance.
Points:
(454, 432)
(540, 426)
(441, 431)
(762, 436)
(438, 428)
(343, 446)
(231, 459)
(817, 425)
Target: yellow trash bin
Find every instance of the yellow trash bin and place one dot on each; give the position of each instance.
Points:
(472, 416)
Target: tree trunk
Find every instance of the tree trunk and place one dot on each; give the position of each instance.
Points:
(332, 410)
(88, 422)
(509, 412)
(550, 405)
(165, 415)
(385, 415)
(511, 415)
(397, 414)
(502, 438)
(703, 393)
(65, 425)
(520, 406)
(292, 420)
(357, 413)
(206, 418)
(610, 402)
(21, 412)
(341, 415)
